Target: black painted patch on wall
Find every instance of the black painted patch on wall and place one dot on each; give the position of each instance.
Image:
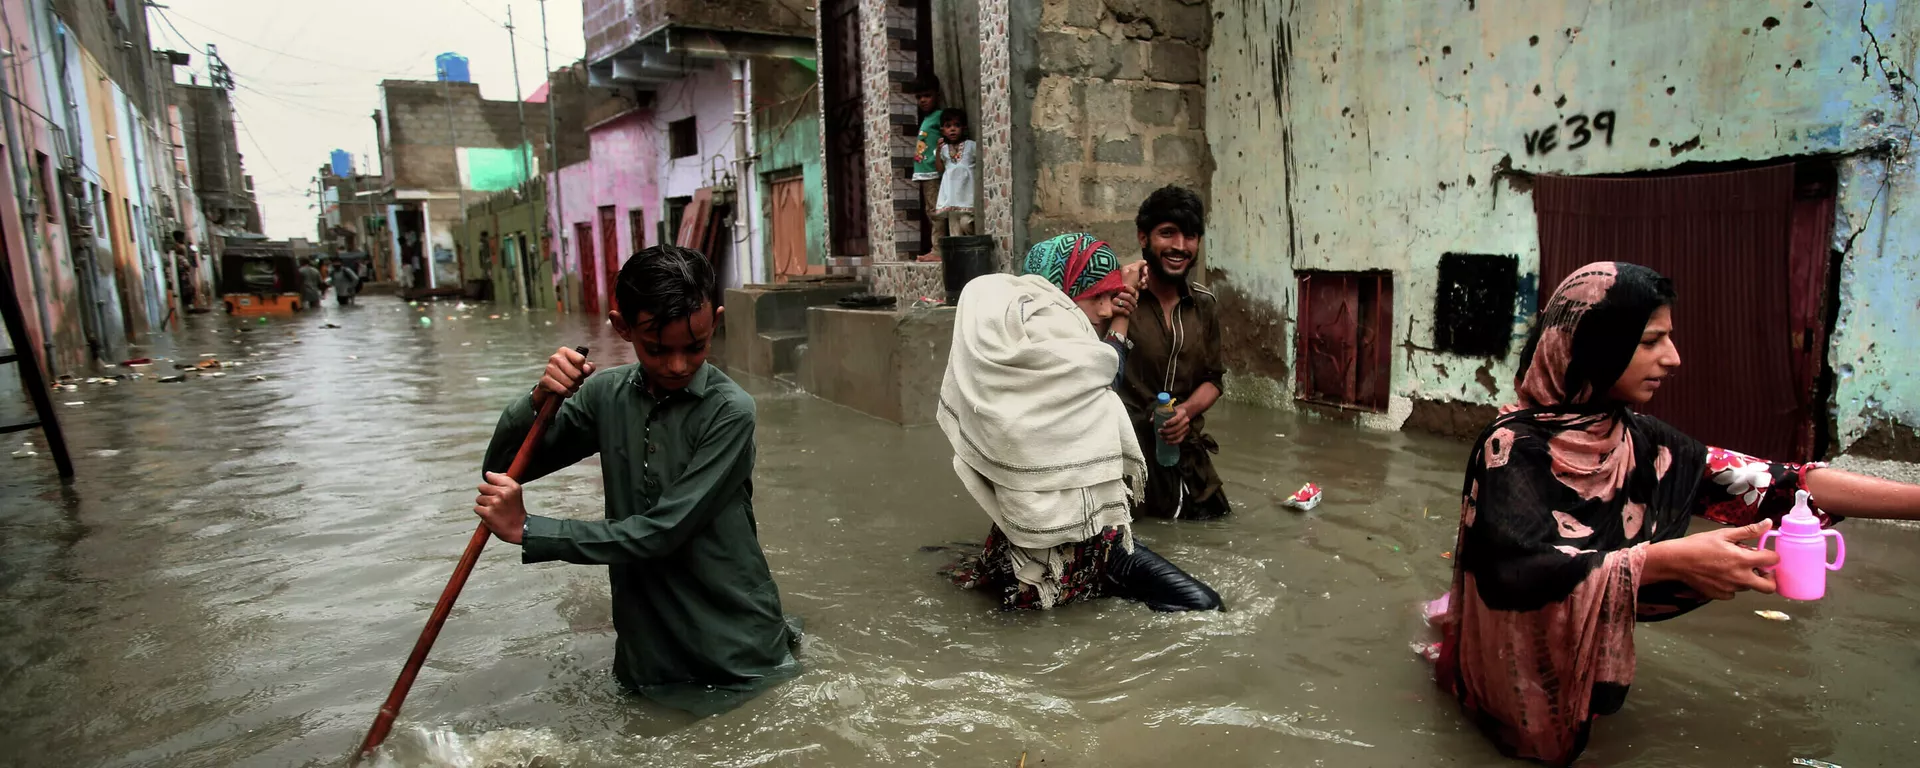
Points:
(1474, 313)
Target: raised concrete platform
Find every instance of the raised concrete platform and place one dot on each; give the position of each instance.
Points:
(767, 324)
(886, 364)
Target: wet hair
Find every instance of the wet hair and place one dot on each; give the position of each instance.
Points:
(927, 84)
(666, 281)
(1174, 205)
(953, 115)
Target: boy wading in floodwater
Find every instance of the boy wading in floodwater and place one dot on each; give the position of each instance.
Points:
(696, 609)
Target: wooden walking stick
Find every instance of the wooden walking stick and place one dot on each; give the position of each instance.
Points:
(391, 709)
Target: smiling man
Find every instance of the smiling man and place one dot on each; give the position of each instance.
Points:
(695, 606)
(1176, 350)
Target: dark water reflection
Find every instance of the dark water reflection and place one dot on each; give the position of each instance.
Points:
(243, 565)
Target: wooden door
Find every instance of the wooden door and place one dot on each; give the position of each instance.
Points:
(610, 249)
(845, 130)
(589, 269)
(789, 227)
(1345, 355)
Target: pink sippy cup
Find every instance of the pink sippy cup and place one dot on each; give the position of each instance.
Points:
(1801, 573)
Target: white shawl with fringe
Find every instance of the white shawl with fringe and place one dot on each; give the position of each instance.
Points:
(1039, 437)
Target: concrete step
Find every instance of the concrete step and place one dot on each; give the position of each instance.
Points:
(784, 347)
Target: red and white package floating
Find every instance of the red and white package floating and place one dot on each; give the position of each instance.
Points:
(1306, 498)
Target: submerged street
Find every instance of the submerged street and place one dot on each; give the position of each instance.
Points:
(243, 564)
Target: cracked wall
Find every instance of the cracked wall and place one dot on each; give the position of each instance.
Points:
(1367, 134)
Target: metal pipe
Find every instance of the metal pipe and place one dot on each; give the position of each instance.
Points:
(526, 155)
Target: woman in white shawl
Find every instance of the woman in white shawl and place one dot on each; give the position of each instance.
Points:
(1041, 440)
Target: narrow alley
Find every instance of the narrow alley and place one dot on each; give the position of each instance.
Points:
(242, 564)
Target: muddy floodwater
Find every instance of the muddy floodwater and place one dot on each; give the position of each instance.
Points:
(243, 564)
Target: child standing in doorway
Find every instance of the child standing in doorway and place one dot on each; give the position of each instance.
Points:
(926, 171)
(955, 212)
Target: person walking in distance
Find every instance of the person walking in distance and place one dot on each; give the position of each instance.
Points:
(1176, 350)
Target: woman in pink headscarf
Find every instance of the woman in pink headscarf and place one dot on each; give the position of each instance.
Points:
(1574, 517)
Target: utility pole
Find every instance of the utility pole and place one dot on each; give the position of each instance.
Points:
(526, 154)
(559, 204)
(460, 187)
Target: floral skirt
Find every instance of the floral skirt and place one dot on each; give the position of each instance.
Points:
(1083, 578)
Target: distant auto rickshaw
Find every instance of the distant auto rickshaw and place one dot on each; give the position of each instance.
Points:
(256, 284)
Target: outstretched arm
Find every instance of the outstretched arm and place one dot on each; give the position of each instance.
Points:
(1856, 495)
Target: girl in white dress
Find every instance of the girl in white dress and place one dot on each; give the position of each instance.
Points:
(954, 210)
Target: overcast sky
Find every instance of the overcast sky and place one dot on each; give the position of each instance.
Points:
(308, 74)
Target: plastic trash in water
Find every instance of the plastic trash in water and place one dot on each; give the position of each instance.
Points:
(481, 378)
(25, 454)
(1772, 615)
(1812, 763)
(1306, 498)
(425, 321)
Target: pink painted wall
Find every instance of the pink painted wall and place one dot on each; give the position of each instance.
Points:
(623, 172)
(708, 97)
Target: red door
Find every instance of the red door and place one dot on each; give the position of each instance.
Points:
(610, 250)
(1726, 240)
(589, 269)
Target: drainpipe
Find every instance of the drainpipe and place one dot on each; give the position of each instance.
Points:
(743, 167)
(28, 224)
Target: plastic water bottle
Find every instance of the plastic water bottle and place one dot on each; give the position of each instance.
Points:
(1165, 454)
(1801, 573)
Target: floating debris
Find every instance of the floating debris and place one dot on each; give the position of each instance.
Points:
(258, 378)
(70, 387)
(481, 378)
(172, 379)
(1773, 615)
(136, 361)
(77, 402)
(353, 357)
(210, 354)
(1448, 554)
(1306, 498)
(106, 453)
(426, 321)
(493, 317)
(25, 454)
(217, 374)
(1812, 763)
(330, 326)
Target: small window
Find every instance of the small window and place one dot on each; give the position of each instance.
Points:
(1345, 352)
(682, 139)
(1474, 311)
(637, 229)
(48, 203)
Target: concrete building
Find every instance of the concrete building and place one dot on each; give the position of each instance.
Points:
(1080, 108)
(673, 136)
(506, 232)
(353, 219)
(1439, 167)
(443, 146)
(94, 190)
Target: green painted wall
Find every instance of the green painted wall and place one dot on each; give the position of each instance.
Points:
(494, 170)
(512, 214)
(787, 137)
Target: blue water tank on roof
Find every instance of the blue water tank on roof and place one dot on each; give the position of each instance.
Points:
(342, 161)
(452, 67)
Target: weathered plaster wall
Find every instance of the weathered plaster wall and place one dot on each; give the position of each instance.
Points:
(1117, 112)
(708, 97)
(787, 138)
(1365, 134)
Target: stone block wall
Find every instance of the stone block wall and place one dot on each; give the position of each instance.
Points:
(1118, 109)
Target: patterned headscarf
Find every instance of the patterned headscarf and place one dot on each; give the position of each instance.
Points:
(1079, 264)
